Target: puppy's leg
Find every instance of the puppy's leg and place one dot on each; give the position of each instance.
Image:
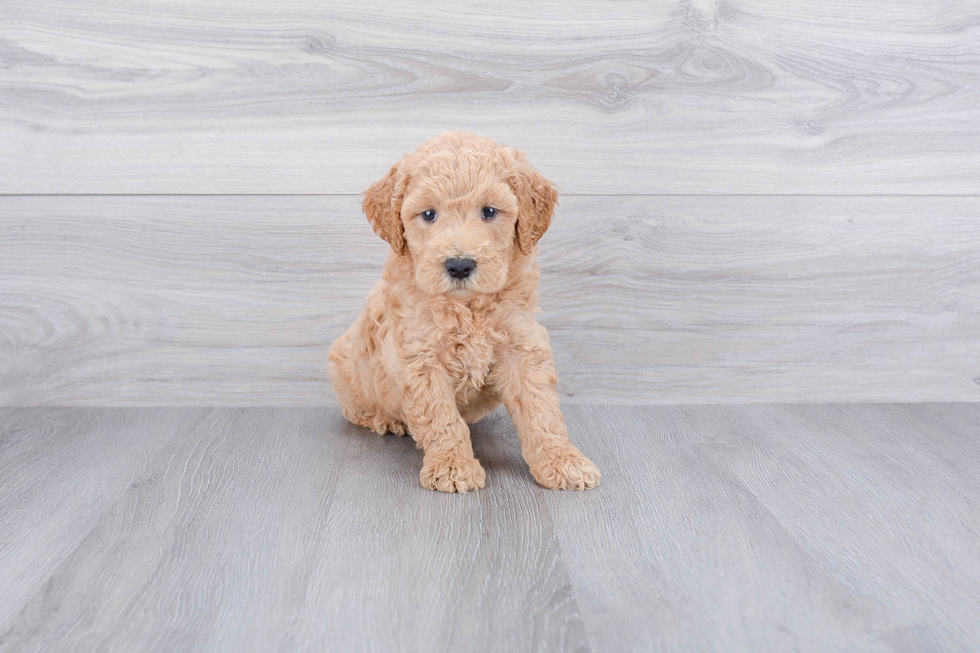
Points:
(525, 377)
(358, 408)
(338, 364)
(435, 423)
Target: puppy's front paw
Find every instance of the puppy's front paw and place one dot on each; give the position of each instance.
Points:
(451, 472)
(566, 470)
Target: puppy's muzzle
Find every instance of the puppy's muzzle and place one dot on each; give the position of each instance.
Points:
(460, 268)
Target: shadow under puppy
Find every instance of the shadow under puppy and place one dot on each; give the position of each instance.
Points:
(448, 333)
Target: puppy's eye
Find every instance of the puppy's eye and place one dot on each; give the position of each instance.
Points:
(489, 213)
(428, 215)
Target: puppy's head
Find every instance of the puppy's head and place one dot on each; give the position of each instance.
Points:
(461, 208)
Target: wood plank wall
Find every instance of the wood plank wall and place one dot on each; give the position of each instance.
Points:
(761, 200)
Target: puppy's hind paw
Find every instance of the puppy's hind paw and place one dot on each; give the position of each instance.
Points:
(452, 473)
(567, 470)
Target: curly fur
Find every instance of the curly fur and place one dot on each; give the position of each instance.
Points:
(429, 353)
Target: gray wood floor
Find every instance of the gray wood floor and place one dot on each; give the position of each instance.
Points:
(735, 528)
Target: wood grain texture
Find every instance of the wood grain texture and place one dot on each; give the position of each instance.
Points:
(60, 471)
(911, 506)
(737, 528)
(479, 573)
(234, 300)
(748, 528)
(292, 530)
(687, 96)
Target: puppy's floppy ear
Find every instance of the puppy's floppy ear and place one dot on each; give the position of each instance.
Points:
(383, 205)
(536, 200)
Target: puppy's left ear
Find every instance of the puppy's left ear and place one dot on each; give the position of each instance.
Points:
(536, 200)
(383, 204)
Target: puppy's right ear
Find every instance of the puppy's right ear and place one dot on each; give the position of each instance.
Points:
(383, 205)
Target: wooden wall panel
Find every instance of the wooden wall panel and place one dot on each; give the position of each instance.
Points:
(170, 300)
(686, 96)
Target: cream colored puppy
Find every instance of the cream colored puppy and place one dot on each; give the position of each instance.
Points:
(449, 332)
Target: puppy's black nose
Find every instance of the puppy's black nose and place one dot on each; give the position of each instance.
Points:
(460, 268)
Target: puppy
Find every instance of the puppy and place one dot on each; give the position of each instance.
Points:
(448, 333)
